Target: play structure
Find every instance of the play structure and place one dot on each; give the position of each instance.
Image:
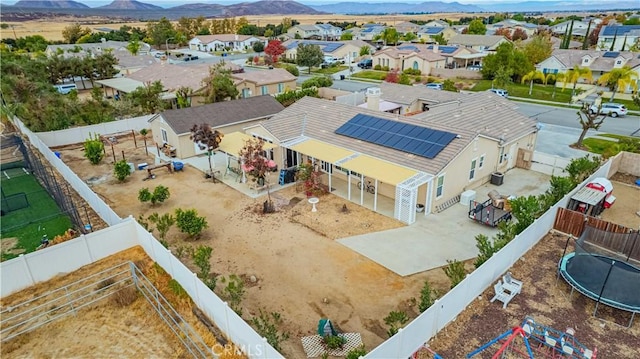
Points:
(534, 340)
(601, 268)
(492, 211)
(593, 198)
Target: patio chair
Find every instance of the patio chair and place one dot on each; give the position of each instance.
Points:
(510, 284)
(502, 295)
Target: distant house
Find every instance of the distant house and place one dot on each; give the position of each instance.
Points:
(579, 28)
(264, 82)
(305, 32)
(480, 43)
(329, 32)
(369, 31)
(486, 134)
(406, 27)
(172, 127)
(599, 62)
(222, 42)
(414, 56)
(427, 33)
(436, 23)
(625, 35)
(347, 50)
(512, 25)
(414, 99)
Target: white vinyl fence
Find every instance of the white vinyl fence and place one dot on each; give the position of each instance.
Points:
(549, 164)
(79, 134)
(424, 327)
(102, 209)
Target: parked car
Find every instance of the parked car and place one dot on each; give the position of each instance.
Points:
(610, 109)
(66, 88)
(434, 86)
(365, 64)
(474, 68)
(500, 92)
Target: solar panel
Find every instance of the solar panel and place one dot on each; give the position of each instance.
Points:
(417, 140)
(408, 47)
(612, 54)
(434, 30)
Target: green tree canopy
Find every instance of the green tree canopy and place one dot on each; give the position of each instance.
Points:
(148, 98)
(538, 49)
(476, 27)
(219, 85)
(73, 32)
(507, 61)
(159, 32)
(346, 36)
(309, 55)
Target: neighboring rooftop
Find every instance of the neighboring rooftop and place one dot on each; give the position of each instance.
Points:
(604, 60)
(476, 40)
(406, 95)
(265, 77)
(175, 76)
(221, 113)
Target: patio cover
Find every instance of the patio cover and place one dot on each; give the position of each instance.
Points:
(233, 142)
(381, 170)
(322, 151)
(470, 56)
(121, 84)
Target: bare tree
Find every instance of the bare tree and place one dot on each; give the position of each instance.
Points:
(255, 161)
(589, 119)
(206, 138)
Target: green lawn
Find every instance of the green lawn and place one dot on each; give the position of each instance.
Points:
(329, 70)
(611, 148)
(43, 216)
(371, 75)
(540, 92)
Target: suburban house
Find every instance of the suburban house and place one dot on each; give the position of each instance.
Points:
(445, 156)
(82, 50)
(305, 32)
(224, 42)
(512, 25)
(579, 28)
(406, 27)
(173, 127)
(409, 100)
(480, 43)
(599, 62)
(347, 50)
(264, 82)
(171, 76)
(329, 32)
(414, 56)
(624, 35)
(369, 31)
(427, 33)
(436, 23)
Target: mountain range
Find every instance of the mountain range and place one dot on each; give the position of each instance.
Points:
(286, 7)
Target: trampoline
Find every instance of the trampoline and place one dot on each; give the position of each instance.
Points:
(602, 274)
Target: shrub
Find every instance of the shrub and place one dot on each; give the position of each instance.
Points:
(159, 194)
(177, 289)
(455, 271)
(525, 210)
(288, 98)
(385, 68)
(125, 296)
(377, 67)
(233, 292)
(356, 353)
(105, 283)
(395, 320)
(581, 168)
(412, 72)
(449, 85)
(189, 222)
(428, 296)
(163, 223)
(317, 81)
(292, 70)
(94, 149)
(121, 170)
(333, 341)
(202, 259)
(266, 324)
(404, 79)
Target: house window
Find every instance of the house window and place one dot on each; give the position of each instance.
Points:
(585, 61)
(481, 164)
(618, 62)
(265, 90)
(246, 93)
(415, 65)
(280, 88)
(326, 166)
(292, 158)
(440, 186)
(472, 172)
(165, 138)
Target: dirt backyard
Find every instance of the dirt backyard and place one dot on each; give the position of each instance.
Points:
(301, 271)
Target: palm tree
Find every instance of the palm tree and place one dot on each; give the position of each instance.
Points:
(575, 74)
(134, 45)
(619, 79)
(555, 78)
(532, 76)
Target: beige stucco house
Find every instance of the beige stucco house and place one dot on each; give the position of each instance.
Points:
(426, 33)
(347, 50)
(447, 155)
(480, 43)
(264, 82)
(222, 42)
(172, 127)
(414, 56)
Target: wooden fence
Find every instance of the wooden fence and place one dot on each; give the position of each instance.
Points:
(604, 234)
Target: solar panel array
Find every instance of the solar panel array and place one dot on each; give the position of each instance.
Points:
(408, 47)
(620, 30)
(612, 54)
(434, 30)
(417, 140)
(445, 49)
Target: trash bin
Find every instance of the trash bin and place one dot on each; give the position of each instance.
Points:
(342, 77)
(497, 178)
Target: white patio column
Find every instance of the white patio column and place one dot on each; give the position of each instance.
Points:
(362, 189)
(429, 197)
(375, 197)
(349, 185)
(330, 172)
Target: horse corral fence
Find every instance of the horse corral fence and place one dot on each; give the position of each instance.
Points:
(68, 300)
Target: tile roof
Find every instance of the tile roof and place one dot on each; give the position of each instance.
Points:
(407, 51)
(174, 76)
(318, 119)
(407, 95)
(571, 58)
(484, 113)
(265, 77)
(432, 30)
(308, 27)
(476, 40)
(221, 113)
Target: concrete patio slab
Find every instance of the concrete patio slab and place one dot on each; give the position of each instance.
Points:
(433, 239)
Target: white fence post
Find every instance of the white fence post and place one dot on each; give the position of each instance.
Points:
(26, 268)
(86, 244)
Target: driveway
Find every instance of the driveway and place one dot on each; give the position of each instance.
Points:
(436, 238)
